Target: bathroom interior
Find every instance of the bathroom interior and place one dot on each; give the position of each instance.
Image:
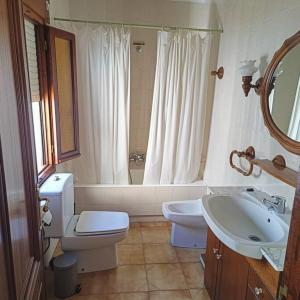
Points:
(149, 149)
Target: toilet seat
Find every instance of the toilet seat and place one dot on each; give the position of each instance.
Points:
(101, 223)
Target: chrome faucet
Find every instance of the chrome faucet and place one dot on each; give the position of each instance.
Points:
(275, 203)
(136, 156)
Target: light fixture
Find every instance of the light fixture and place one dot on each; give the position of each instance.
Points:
(219, 73)
(247, 70)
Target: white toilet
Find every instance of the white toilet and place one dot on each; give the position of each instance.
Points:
(92, 235)
(189, 228)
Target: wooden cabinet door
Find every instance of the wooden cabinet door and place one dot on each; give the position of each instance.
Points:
(211, 264)
(232, 275)
(256, 289)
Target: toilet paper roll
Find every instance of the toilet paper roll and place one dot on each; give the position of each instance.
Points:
(47, 218)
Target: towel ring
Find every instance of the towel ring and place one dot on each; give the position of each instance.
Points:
(249, 154)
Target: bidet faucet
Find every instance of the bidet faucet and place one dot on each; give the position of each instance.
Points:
(275, 203)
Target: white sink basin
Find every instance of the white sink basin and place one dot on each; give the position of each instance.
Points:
(244, 224)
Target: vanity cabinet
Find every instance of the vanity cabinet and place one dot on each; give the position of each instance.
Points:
(211, 264)
(229, 275)
(226, 271)
(256, 288)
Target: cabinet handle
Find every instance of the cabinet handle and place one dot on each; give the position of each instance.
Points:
(218, 256)
(258, 291)
(215, 250)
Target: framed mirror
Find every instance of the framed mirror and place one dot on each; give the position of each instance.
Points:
(280, 95)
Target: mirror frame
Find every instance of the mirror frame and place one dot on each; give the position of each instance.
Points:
(288, 143)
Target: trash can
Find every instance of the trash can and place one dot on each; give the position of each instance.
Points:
(65, 276)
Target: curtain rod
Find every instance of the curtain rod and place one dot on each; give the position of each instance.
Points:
(145, 26)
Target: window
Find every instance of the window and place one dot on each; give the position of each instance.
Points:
(52, 72)
(63, 87)
(39, 99)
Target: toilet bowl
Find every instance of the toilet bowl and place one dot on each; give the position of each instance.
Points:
(92, 235)
(189, 228)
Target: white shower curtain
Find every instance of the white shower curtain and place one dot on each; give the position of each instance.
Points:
(178, 109)
(103, 58)
(294, 127)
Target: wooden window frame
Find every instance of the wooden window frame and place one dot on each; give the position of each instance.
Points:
(50, 117)
(46, 111)
(47, 134)
(53, 33)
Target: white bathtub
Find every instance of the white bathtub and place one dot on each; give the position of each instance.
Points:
(136, 199)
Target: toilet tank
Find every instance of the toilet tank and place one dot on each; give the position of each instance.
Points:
(59, 189)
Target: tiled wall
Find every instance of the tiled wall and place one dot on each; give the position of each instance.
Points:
(142, 83)
(137, 200)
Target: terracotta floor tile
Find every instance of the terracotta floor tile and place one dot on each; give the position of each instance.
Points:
(159, 253)
(170, 295)
(129, 296)
(155, 235)
(130, 278)
(188, 254)
(94, 283)
(193, 274)
(134, 225)
(134, 237)
(199, 294)
(165, 277)
(162, 274)
(91, 297)
(58, 251)
(131, 254)
(154, 224)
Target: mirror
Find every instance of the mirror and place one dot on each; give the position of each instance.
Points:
(280, 98)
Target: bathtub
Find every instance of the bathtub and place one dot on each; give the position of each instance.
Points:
(136, 199)
(136, 176)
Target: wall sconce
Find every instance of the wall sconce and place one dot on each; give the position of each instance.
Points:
(219, 73)
(247, 70)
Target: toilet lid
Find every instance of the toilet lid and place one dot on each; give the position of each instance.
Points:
(101, 222)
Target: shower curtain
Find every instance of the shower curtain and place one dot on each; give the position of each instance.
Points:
(178, 109)
(103, 58)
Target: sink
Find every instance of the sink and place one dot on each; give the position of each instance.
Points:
(244, 224)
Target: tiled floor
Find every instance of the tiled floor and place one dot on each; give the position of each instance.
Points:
(149, 269)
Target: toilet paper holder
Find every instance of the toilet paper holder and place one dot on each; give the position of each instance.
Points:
(46, 216)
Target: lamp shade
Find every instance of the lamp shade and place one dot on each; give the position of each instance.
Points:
(248, 68)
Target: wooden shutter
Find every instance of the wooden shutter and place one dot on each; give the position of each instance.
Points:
(32, 61)
(63, 93)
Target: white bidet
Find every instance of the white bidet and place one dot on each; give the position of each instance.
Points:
(189, 228)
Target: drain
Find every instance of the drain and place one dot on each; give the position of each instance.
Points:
(254, 238)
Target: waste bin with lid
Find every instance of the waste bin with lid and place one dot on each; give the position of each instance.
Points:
(65, 275)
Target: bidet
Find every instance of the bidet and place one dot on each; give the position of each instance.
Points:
(189, 228)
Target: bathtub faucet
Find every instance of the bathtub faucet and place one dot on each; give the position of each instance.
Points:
(137, 157)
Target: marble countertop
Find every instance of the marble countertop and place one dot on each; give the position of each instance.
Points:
(275, 256)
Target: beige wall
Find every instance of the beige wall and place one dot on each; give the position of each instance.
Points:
(163, 12)
(142, 83)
